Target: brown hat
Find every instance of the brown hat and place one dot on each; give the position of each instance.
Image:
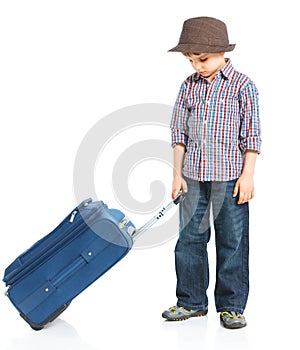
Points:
(203, 35)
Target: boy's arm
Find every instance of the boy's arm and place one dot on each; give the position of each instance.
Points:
(245, 184)
(250, 142)
(178, 180)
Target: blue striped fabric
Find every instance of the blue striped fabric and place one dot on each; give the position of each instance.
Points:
(217, 122)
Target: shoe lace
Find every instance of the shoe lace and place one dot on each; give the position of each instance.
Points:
(231, 314)
(174, 309)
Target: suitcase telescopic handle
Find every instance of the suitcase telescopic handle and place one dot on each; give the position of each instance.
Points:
(179, 199)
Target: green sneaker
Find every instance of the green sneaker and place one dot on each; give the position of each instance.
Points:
(179, 313)
(232, 320)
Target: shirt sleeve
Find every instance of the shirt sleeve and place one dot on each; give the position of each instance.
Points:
(179, 118)
(250, 132)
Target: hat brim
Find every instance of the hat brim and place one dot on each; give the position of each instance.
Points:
(196, 48)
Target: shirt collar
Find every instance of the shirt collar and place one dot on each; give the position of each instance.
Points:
(226, 71)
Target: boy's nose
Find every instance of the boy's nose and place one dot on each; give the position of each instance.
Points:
(198, 66)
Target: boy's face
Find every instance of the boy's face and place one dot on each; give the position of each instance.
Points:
(207, 64)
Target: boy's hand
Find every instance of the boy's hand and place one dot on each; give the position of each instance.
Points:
(179, 184)
(245, 188)
(245, 185)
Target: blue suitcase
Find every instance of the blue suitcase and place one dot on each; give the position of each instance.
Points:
(42, 281)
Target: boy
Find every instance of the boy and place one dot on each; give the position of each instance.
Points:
(215, 131)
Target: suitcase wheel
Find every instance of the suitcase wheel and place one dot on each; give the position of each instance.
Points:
(38, 327)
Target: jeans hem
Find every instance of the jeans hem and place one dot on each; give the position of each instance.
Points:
(188, 307)
(230, 308)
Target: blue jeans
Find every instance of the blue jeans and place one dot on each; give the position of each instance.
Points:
(231, 224)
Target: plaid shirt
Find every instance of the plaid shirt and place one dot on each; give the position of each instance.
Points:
(217, 122)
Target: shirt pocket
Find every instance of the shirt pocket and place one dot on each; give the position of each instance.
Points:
(229, 108)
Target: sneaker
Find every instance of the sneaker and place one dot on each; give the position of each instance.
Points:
(179, 313)
(232, 320)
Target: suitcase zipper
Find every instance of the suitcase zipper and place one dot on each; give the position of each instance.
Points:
(7, 290)
(73, 216)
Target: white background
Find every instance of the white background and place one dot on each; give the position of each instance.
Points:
(66, 64)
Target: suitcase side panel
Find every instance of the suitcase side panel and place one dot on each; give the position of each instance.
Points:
(71, 270)
(42, 248)
(54, 302)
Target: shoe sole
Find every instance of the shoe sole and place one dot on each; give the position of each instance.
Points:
(233, 326)
(183, 318)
